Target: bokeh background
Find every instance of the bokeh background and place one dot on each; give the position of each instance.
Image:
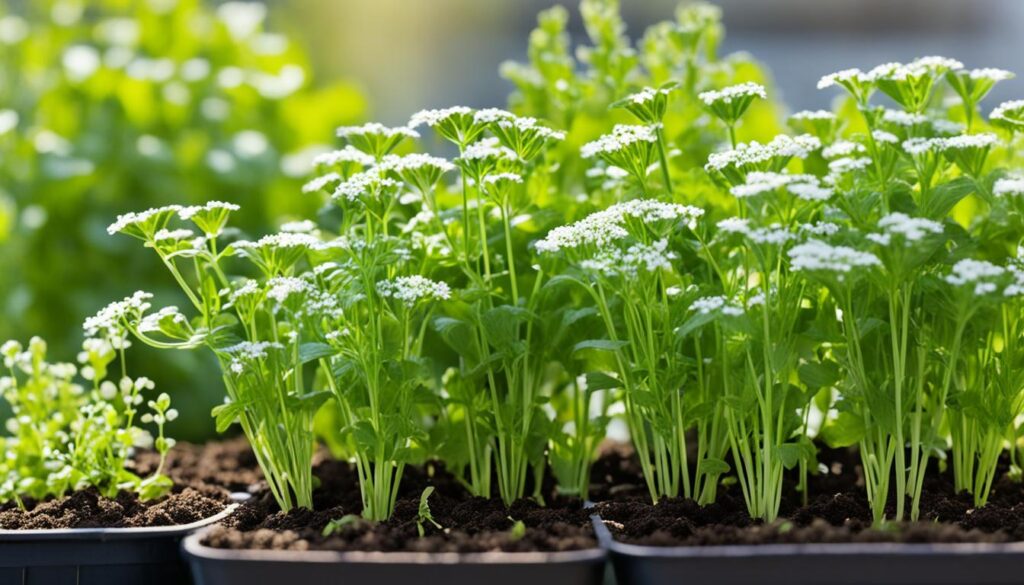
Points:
(108, 106)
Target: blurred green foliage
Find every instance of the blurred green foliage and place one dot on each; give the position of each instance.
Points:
(109, 106)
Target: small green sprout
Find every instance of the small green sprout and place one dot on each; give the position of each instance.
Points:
(424, 515)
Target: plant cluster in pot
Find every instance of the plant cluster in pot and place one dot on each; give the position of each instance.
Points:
(73, 511)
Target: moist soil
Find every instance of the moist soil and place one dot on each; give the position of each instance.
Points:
(204, 477)
(836, 510)
(467, 524)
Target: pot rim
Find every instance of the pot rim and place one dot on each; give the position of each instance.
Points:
(726, 551)
(113, 533)
(193, 547)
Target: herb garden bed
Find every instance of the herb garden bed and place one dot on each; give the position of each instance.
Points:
(832, 535)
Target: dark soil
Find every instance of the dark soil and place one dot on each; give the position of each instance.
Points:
(469, 524)
(88, 509)
(204, 477)
(225, 466)
(837, 511)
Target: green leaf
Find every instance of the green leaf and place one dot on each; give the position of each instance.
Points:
(944, 197)
(600, 344)
(313, 351)
(714, 466)
(226, 414)
(790, 454)
(601, 381)
(694, 323)
(845, 430)
(307, 402)
(819, 374)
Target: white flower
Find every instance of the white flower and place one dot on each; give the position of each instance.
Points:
(754, 153)
(281, 287)
(321, 182)
(304, 226)
(977, 274)
(165, 234)
(486, 148)
(616, 262)
(138, 217)
(411, 289)
(813, 115)
(991, 74)
(820, 228)
(349, 154)
(490, 115)
(1011, 186)
(365, 183)
(81, 62)
(963, 141)
(374, 128)
(884, 137)
(840, 76)
(748, 89)
(647, 94)
(151, 322)
(434, 117)
(411, 162)
(249, 351)
(496, 178)
(920, 146)
(608, 225)
(847, 164)
(1005, 109)
(108, 319)
(842, 148)
(531, 125)
(187, 212)
(815, 255)
(911, 229)
(282, 240)
(903, 118)
(622, 136)
(713, 304)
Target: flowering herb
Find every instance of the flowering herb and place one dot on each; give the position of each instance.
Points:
(73, 427)
(855, 282)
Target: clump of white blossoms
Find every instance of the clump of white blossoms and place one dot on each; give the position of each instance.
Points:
(108, 320)
(813, 115)
(415, 161)
(816, 255)
(1009, 113)
(910, 229)
(1010, 186)
(282, 240)
(847, 164)
(601, 227)
(140, 220)
(716, 304)
(432, 118)
(487, 148)
(412, 289)
(965, 141)
(734, 92)
(648, 94)
(616, 262)
(805, 187)
(376, 129)
(367, 183)
(903, 118)
(753, 154)
(248, 352)
(621, 137)
(842, 148)
(980, 275)
(348, 154)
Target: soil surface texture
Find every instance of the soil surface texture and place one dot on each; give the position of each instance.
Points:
(467, 523)
(836, 510)
(204, 477)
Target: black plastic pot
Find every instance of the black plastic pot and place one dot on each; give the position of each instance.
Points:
(812, 564)
(97, 556)
(213, 566)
